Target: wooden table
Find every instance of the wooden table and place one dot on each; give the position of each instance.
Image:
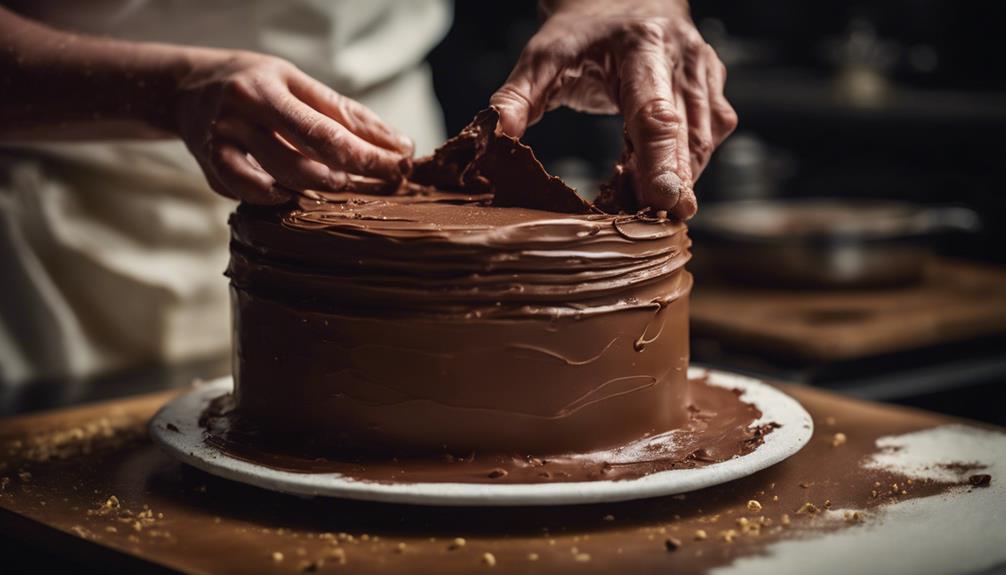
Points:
(87, 483)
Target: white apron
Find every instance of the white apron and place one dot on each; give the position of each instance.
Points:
(112, 254)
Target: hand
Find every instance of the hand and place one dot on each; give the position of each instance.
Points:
(644, 59)
(261, 129)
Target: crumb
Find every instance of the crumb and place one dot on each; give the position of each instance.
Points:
(980, 480)
(700, 535)
(838, 439)
(808, 508)
(754, 506)
(672, 544)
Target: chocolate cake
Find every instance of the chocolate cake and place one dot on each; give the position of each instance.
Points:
(480, 306)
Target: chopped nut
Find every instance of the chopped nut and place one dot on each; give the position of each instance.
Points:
(700, 535)
(112, 502)
(775, 498)
(339, 554)
(784, 519)
(754, 506)
(581, 557)
(838, 439)
(729, 535)
(809, 508)
(489, 559)
(827, 503)
(672, 544)
(277, 556)
(980, 480)
(400, 548)
(532, 556)
(111, 529)
(457, 543)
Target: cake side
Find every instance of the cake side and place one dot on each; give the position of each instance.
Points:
(377, 323)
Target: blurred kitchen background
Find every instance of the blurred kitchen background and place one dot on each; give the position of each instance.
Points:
(851, 101)
(901, 300)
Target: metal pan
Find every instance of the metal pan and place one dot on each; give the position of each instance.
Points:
(825, 243)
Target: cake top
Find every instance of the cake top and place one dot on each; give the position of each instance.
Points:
(480, 226)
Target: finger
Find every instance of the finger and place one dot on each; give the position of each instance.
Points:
(287, 166)
(695, 90)
(722, 114)
(324, 140)
(241, 178)
(654, 123)
(356, 117)
(524, 97)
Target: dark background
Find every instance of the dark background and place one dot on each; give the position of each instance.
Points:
(890, 99)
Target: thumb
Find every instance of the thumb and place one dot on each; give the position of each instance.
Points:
(524, 97)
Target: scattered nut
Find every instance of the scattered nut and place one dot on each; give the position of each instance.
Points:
(489, 559)
(672, 544)
(581, 557)
(532, 556)
(838, 439)
(808, 508)
(457, 543)
(277, 556)
(700, 535)
(754, 506)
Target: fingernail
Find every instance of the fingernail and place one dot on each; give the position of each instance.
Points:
(406, 145)
(668, 187)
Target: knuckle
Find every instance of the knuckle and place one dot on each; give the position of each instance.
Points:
(727, 117)
(659, 111)
(644, 31)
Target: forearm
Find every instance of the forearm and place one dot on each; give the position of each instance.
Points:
(57, 85)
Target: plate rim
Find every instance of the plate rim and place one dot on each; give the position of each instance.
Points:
(187, 445)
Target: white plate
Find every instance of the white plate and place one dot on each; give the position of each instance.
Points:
(188, 446)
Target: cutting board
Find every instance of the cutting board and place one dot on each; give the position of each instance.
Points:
(86, 483)
(956, 301)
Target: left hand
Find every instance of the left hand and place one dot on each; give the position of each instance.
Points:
(642, 58)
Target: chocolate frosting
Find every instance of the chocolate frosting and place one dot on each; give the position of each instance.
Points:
(482, 305)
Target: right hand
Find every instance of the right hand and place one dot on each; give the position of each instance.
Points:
(261, 129)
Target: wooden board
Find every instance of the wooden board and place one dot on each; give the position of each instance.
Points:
(957, 301)
(87, 482)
